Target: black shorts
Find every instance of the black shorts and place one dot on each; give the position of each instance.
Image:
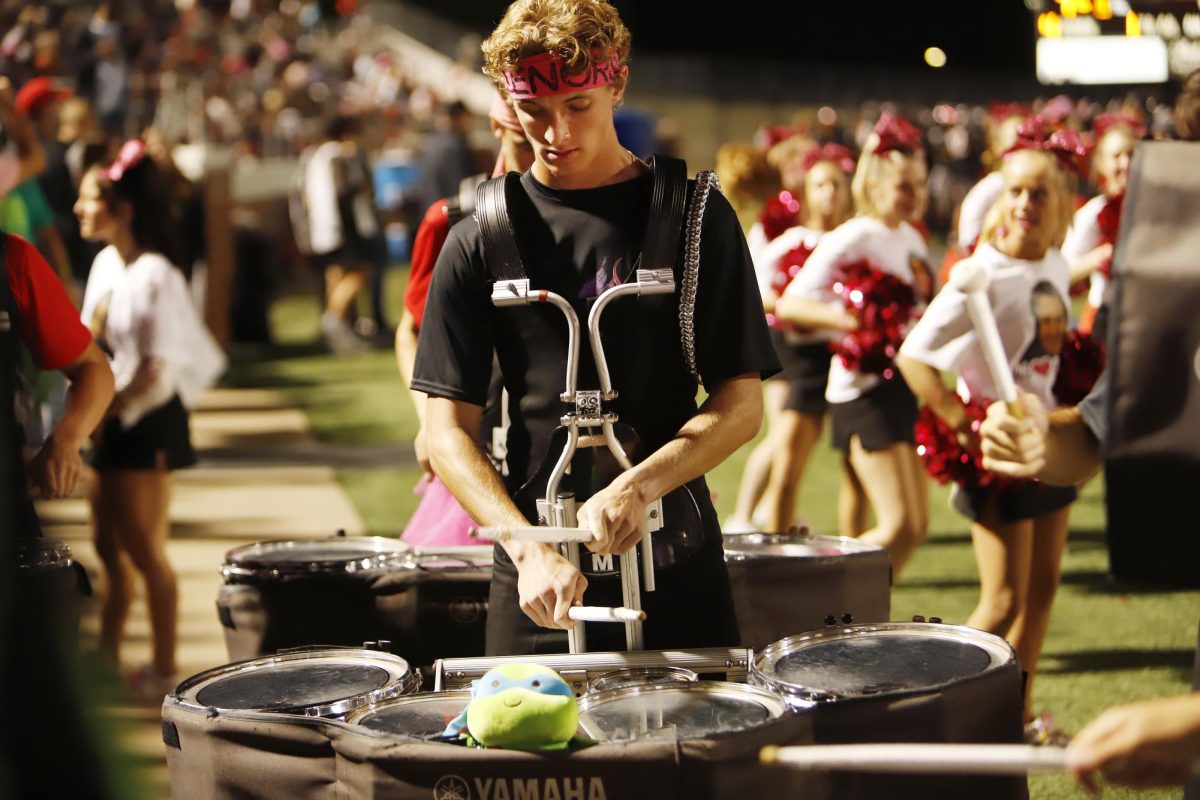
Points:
(356, 253)
(691, 606)
(882, 417)
(164, 430)
(1024, 500)
(806, 371)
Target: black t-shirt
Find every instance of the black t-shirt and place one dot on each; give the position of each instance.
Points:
(577, 243)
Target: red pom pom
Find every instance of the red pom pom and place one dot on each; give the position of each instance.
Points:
(1079, 367)
(883, 304)
(780, 213)
(944, 458)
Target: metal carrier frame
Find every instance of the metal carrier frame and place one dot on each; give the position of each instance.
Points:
(590, 420)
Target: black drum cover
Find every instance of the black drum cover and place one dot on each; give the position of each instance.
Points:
(1152, 461)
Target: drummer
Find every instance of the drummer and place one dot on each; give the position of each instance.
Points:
(580, 220)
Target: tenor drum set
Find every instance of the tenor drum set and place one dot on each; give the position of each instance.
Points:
(306, 710)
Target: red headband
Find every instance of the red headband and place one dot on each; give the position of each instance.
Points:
(836, 153)
(1064, 144)
(546, 74)
(896, 133)
(130, 154)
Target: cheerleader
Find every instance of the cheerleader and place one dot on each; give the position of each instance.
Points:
(1090, 242)
(1018, 530)
(796, 397)
(873, 414)
(140, 311)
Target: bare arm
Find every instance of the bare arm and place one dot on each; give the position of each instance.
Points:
(808, 313)
(56, 468)
(547, 585)
(926, 383)
(406, 357)
(729, 418)
(1094, 260)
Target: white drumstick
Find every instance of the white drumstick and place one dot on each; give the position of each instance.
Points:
(502, 534)
(970, 278)
(945, 759)
(605, 614)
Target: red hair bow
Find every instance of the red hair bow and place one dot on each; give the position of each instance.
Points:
(1103, 122)
(896, 133)
(838, 154)
(130, 154)
(1064, 144)
(998, 112)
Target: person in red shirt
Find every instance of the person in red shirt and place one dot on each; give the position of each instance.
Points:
(48, 325)
(516, 155)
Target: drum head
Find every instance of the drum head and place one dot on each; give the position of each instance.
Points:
(335, 555)
(420, 716)
(879, 659)
(792, 545)
(641, 676)
(676, 711)
(317, 683)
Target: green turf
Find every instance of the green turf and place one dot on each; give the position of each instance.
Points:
(1107, 644)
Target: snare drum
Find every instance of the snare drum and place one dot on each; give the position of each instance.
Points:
(784, 584)
(902, 682)
(345, 591)
(256, 728)
(698, 710)
(415, 717)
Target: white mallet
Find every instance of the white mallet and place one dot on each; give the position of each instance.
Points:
(970, 278)
(940, 759)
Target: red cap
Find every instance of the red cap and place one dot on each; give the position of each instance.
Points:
(37, 92)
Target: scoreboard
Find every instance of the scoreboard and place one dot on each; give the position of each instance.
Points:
(1116, 41)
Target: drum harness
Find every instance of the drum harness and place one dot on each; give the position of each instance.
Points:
(589, 419)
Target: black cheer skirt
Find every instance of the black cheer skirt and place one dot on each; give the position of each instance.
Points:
(806, 371)
(883, 416)
(163, 431)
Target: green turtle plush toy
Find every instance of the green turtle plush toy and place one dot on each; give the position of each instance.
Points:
(519, 707)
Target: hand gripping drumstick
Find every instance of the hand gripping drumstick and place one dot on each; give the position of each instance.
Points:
(944, 759)
(970, 278)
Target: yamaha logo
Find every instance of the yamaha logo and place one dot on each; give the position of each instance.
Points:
(451, 787)
(454, 787)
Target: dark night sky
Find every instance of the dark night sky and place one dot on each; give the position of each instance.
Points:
(993, 35)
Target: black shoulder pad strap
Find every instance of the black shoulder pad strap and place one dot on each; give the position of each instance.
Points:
(499, 239)
(668, 204)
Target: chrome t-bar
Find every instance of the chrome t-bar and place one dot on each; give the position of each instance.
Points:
(557, 510)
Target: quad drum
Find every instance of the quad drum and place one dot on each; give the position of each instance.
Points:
(784, 584)
(346, 591)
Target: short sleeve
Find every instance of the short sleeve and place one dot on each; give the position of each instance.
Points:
(427, 244)
(731, 329)
(454, 350)
(943, 338)
(49, 323)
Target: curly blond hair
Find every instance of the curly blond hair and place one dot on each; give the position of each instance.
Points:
(576, 30)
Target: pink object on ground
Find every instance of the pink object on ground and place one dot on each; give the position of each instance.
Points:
(439, 520)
